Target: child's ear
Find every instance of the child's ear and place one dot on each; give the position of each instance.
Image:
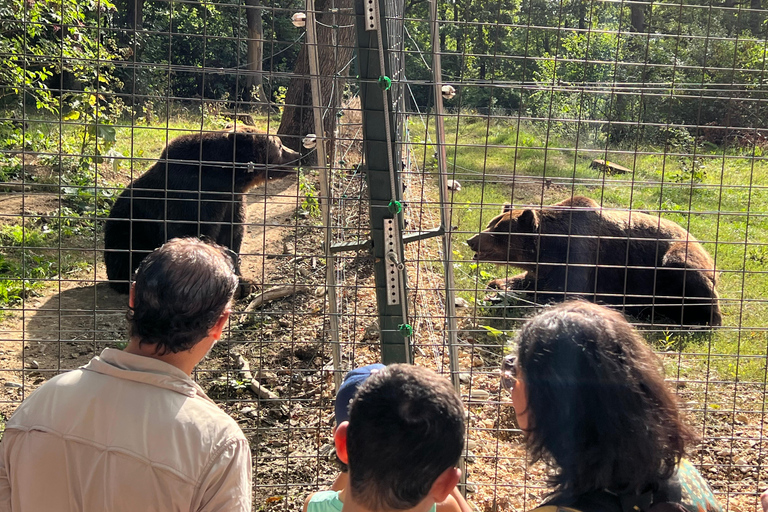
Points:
(340, 440)
(444, 484)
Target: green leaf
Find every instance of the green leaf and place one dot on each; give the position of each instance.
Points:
(492, 331)
(106, 132)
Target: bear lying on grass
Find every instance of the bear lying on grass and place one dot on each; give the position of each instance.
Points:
(650, 266)
(195, 189)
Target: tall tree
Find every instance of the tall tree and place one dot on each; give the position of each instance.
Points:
(637, 17)
(757, 19)
(134, 14)
(335, 43)
(255, 54)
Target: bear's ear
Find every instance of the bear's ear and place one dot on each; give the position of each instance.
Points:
(529, 221)
(506, 208)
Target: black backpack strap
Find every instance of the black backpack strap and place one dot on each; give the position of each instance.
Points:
(636, 502)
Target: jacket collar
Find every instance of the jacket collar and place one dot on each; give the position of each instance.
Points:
(147, 370)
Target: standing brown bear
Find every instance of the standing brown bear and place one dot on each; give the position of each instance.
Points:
(650, 266)
(195, 189)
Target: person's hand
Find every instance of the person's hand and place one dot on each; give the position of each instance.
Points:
(764, 500)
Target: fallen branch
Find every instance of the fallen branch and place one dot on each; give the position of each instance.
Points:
(14, 187)
(256, 387)
(278, 292)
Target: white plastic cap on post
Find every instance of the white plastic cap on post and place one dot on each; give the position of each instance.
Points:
(309, 141)
(299, 19)
(448, 91)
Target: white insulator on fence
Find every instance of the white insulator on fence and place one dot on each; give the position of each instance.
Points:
(448, 91)
(453, 185)
(299, 19)
(309, 141)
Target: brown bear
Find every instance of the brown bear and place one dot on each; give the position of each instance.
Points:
(195, 189)
(650, 266)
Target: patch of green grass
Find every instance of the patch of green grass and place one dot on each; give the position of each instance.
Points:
(30, 259)
(725, 206)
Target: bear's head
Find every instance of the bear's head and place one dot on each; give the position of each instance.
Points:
(511, 237)
(266, 153)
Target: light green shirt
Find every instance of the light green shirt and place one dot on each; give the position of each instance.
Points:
(328, 501)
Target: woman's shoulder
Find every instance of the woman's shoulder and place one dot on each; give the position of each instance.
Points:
(685, 491)
(689, 488)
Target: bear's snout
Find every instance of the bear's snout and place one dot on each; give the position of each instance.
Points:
(474, 242)
(290, 156)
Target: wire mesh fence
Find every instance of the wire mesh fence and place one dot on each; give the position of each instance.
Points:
(605, 124)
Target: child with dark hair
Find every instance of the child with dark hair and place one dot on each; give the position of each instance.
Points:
(402, 441)
(349, 386)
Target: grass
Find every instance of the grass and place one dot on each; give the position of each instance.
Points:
(725, 207)
(31, 259)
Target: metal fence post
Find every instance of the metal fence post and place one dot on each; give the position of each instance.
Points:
(383, 174)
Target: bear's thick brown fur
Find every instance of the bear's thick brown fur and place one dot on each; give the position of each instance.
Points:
(650, 266)
(195, 189)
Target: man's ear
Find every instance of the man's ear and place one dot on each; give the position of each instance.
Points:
(218, 327)
(444, 484)
(340, 441)
(131, 295)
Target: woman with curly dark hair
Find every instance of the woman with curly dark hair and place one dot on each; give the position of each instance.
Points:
(590, 396)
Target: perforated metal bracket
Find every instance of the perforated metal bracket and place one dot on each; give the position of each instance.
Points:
(392, 262)
(371, 17)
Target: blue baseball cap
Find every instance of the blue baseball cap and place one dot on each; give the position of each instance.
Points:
(352, 381)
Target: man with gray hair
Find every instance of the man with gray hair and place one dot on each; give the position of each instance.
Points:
(131, 430)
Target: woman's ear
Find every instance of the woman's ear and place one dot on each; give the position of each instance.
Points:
(131, 295)
(340, 441)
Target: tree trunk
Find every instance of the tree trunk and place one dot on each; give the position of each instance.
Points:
(134, 14)
(637, 17)
(756, 19)
(624, 105)
(335, 46)
(730, 18)
(255, 80)
(132, 23)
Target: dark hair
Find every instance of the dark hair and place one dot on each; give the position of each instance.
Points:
(181, 290)
(406, 427)
(599, 409)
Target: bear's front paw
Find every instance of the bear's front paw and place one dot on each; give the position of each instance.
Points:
(498, 284)
(245, 288)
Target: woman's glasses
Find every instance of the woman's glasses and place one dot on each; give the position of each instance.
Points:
(509, 373)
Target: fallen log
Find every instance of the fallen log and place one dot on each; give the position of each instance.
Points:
(275, 293)
(609, 167)
(259, 390)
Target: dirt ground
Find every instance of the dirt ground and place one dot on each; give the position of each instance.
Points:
(285, 344)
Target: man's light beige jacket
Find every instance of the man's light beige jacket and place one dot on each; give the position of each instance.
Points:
(123, 433)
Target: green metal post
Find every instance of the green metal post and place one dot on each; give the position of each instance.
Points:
(383, 174)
